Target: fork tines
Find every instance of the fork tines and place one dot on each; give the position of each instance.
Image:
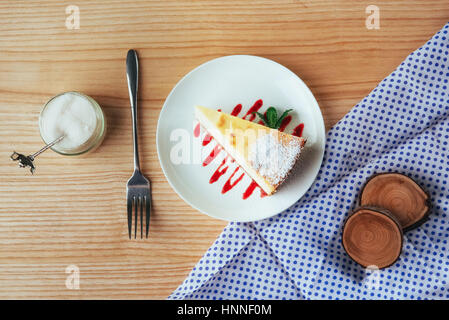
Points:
(137, 202)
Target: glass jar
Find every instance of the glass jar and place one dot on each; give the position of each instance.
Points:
(76, 116)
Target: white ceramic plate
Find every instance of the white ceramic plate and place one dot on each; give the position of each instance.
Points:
(223, 83)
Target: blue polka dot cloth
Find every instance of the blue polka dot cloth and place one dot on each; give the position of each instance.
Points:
(401, 126)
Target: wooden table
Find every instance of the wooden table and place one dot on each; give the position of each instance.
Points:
(72, 211)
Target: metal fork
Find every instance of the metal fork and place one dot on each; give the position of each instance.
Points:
(138, 187)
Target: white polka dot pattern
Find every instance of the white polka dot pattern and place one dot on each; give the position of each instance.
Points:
(401, 126)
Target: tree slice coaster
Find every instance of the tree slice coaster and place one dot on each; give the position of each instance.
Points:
(400, 195)
(372, 237)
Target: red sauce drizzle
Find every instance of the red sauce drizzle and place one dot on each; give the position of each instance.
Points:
(228, 185)
(235, 112)
(221, 170)
(285, 123)
(298, 130)
(249, 191)
(256, 106)
(207, 138)
(196, 131)
(213, 154)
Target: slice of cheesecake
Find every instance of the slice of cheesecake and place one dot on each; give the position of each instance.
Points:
(266, 155)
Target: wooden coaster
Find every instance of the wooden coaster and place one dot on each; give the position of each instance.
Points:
(372, 237)
(400, 195)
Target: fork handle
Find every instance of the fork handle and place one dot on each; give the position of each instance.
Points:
(132, 75)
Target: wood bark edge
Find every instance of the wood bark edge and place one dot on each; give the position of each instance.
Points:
(383, 212)
(427, 201)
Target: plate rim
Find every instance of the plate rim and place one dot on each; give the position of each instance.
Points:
(321, 123)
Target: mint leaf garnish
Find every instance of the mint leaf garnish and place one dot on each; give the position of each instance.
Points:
(262, 117)
(270, 119)
(279, 122)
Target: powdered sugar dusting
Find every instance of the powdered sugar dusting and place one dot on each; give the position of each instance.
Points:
(274, 157)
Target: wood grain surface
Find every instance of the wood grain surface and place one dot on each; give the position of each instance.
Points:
(72, 211)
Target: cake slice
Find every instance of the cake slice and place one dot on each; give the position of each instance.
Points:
(266, 155)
